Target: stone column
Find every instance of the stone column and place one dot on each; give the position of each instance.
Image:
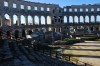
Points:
(78, 19)
(89, 19)
(11, 17)
(19, 20)
(94, 19)
(67, 19)
(33, 20)
(73, 19)
(39, 20)
(45, 20)
(84, 19)
(3, 19)
(26, 20)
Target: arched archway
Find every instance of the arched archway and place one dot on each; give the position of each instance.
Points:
(65, 19)
(15, 20)
(42, 20)
(23, 20)
(36, 20)
(81, 19)
(70, 19)
(23, 33)
(16, 34)
(9, 34)
(0, 20)
(76, 19)
(7, 20)
(30, 32)
(92, 19)
(98, 18)
(30, 20)
(48, 20)
(87, 19)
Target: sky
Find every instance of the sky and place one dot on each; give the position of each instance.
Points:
(63, 3)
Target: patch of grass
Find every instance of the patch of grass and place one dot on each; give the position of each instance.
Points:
(71, 39)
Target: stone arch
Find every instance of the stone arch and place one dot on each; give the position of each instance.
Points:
(87, 19)
(70, 19)
(15, 20)
(65, 19)
(9, 34)
(36, 20)
(53, 10)
(22, 6)
(48, 20)
(7, 20)
(0, 20)
(16, 34)
(65, 9)
(5, 3)
(98, 18)
(35, 8)
(42, 20)
(14, 5)
(30, 20)
(70, 9)
(28, 7)
(48, 9)
(24, 33)
(23, 20)
(75, 9)
(81, 10)
(92, 9)
(76, 19)
(81, 19)
(42, 8)
(86, 9)
(30, 31)
(92, 18)
(49, 29)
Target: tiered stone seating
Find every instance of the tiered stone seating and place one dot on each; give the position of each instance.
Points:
(26, 56)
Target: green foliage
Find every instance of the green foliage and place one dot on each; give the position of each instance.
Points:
(71, 39)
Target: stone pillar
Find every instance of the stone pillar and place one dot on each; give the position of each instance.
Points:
(39, 20)
(26, 20)
(78, 19)
(67, 19)
(11, 17)
(45, 20)
(19, 20)
(94, 19)
(84, 19)
(73, 19)
(3, 20)
(33, 20)
(89, 19)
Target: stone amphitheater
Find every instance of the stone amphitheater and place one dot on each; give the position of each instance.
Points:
(48, 17)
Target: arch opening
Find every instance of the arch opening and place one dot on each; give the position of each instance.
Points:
(7, 20)
(30, 20)
(42, 20)
(23, 20)
(15, 20)
(36, 20)
(48, 20)
(65, 19)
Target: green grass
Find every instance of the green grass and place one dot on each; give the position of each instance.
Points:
(71, 39)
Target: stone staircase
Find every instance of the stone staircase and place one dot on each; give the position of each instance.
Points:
(22, 55)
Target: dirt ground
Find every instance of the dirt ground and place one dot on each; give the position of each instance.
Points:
(90, 45)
